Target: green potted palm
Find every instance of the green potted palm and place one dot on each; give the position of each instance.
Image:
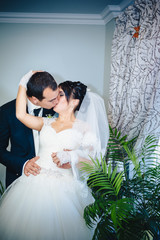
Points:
(125, 207)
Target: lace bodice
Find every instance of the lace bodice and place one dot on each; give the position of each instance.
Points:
(79, 140)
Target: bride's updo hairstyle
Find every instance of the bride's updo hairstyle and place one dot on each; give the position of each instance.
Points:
(75, 90)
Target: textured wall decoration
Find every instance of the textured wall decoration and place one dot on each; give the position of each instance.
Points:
(134, 104)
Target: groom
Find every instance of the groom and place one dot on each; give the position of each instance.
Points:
(41, 91)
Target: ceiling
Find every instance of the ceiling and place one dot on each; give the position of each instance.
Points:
(97, 12)
(58, 6)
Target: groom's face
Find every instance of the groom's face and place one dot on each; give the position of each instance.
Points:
(50, 99)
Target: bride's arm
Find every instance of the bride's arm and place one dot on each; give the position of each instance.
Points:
(27, 119)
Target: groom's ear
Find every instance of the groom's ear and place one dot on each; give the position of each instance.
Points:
(34, 100)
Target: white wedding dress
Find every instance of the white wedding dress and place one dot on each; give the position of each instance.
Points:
(49, 206)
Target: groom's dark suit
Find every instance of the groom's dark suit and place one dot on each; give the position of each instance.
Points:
(20, 138)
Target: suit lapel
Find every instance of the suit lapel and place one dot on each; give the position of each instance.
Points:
(29, 133)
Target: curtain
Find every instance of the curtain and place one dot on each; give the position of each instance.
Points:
(134, 94)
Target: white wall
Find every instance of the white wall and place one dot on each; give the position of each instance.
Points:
(74, 52)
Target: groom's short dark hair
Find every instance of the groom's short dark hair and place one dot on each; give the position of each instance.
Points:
(38, 83)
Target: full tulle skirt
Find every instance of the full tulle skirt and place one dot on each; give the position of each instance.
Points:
(45, 207)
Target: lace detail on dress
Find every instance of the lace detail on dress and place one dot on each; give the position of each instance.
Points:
(81, 126)
(85, 147)
(47, 121)
(68, 156)
(51, 173)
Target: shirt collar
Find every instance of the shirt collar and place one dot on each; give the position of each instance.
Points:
(31, 107)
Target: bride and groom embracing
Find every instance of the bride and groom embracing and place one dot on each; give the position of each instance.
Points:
(48, 200)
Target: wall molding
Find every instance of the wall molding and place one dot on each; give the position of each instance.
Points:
(110, 12)
(51, 18)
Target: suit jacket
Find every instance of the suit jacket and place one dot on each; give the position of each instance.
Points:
(20, 138)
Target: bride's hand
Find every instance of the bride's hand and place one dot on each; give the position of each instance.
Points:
(24, 80)
(65, 166)
(56, 160)
(35, 71)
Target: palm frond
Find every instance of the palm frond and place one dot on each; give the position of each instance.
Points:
(105, 230)
(120, 211)
(91, 214)
(102, 177)
(1, 189)
(149, 155)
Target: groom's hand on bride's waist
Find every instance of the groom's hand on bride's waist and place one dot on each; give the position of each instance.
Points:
(31, 167)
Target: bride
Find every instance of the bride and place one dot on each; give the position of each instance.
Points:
(50, 205)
